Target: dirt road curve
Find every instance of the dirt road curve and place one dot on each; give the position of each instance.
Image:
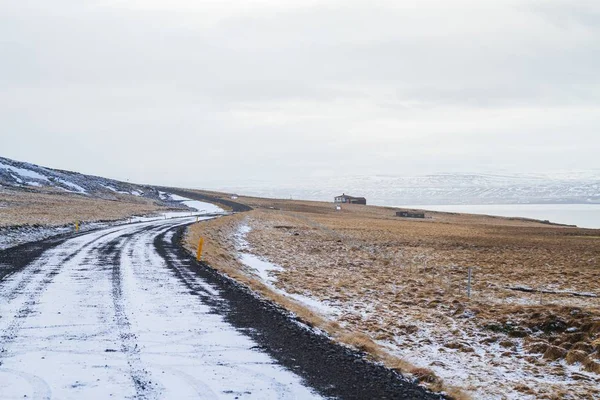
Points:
(124, 313)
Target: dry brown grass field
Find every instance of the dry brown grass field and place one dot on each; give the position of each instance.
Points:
(399, 285)
(58, 208)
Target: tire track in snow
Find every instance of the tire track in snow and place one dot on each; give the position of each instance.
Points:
(156, 273)
(181, 269)
(113, 254)
(117, 254)
(40, 388)
(25, 278)
(38, 276)
(208, 295)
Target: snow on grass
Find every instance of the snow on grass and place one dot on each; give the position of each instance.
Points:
(15, 236)
(405, 305)
(265, 270)
(72, 185)
(112, 189)
(24, 173)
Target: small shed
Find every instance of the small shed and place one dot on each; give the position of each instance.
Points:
(409, 214)
(346, 199)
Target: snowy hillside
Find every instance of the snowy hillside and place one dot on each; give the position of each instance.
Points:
(440, 189)
(18, 174)
(26, 176)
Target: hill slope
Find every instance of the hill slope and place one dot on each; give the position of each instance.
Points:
(17, 174)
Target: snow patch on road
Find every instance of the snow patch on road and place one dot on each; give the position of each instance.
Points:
(200, 206)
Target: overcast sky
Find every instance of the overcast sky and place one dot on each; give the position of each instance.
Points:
(195, 93)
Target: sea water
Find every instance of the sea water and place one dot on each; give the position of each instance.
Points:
(582, 215)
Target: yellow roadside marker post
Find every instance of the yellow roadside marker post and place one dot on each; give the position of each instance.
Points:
(76, 226)
(199, 254)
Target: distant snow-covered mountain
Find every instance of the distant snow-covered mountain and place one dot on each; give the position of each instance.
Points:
(562, 188)
(437, 189)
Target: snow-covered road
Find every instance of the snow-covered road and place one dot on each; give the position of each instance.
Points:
(116, 313)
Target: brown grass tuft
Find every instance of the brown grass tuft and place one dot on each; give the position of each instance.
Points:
(591, 366)
(576, 356)
(537, 347)
(555, 353)
(360, 341)
(424, 375)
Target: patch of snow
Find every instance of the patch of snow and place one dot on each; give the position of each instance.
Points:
(201, 209)
(72, 185)
(26, 173)
(177, 197)
(114, 189)
(15, 236)
(200, 206)
(476, 368)
(264, 270)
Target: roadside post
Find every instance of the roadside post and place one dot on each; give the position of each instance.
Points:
(200, 245)
(76, 226)
(469, 283)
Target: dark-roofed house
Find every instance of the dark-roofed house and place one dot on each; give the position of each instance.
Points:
(344, 198)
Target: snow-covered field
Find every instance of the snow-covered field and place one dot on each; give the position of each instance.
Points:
(105, 315)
